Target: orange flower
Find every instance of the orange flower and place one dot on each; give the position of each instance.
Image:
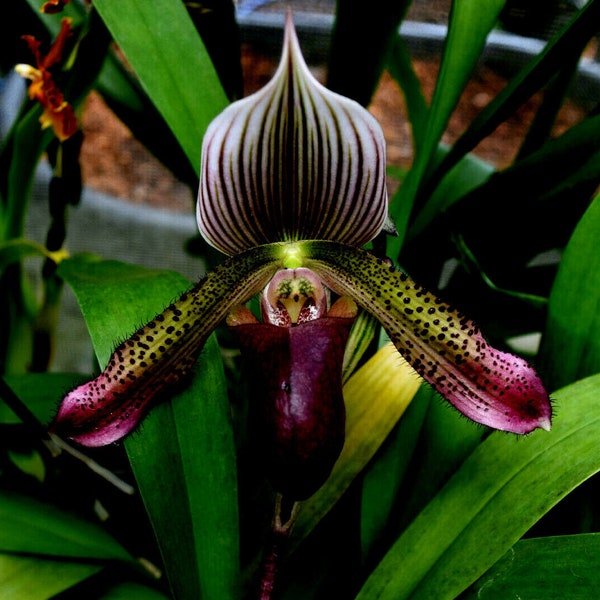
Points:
(58, 113)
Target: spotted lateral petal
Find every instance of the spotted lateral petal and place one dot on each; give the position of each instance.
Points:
(161, 354)
(490, 387)
(293, 161)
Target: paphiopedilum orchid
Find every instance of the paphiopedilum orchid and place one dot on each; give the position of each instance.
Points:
(292, 185)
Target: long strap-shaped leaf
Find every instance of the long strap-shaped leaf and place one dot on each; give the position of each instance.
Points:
(184, 455)
(499, 492)
(562, 49)
(469, 25)
(539, 567)
(160, 42)
(571, 345)
(185, 466)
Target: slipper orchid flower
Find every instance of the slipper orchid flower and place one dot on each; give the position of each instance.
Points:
(292, 185)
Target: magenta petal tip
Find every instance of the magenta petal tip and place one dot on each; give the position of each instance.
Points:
(499, 390)
(92, 414)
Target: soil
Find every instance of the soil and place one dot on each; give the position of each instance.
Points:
(115, 163)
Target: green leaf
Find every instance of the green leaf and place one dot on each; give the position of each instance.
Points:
(183, 456)
(556, 92)
(19, 155)
(498, 493)
(184, 462)
(384, 479)
(125, 97)
(19, 307)
(469, 24)
(32, 527)
(401, 69)
(116, 298)
(25, 577)
(376, 397)
(571, 343)
(544, 568)
(446, 438)
(468, 28)
(40, 392)
(468, 174)
(165, 51)
(560, 51)
(132, 591)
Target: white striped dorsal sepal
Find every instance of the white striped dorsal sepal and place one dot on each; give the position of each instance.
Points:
(292, 161)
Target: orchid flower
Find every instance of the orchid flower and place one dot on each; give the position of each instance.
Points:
(58, 113)
(292, 185)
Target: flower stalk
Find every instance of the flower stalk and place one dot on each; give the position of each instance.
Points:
(281, 527)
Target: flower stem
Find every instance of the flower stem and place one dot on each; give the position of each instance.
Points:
(281, 527)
